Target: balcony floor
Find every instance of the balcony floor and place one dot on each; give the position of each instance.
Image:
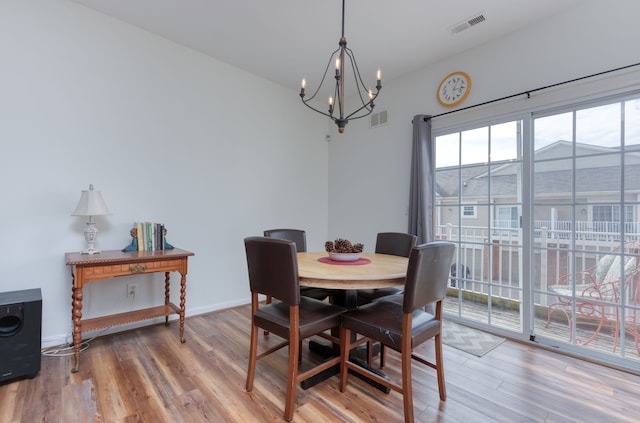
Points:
(509, 320)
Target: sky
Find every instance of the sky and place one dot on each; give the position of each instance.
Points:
(600, 125)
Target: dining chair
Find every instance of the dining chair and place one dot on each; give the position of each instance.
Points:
(273, 270)
(395, 244)
(403, 326)
(300, 238)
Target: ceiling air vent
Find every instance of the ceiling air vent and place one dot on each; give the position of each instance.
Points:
(468, 23)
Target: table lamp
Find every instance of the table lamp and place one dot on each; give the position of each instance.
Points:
(91, 204)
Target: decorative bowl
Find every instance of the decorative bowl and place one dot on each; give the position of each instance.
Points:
(344, 256)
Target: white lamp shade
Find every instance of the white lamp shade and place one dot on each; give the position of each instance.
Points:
(91, 204)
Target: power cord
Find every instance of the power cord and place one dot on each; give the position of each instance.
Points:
(68, 349)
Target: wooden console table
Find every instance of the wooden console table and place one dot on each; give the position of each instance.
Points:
(87, 268)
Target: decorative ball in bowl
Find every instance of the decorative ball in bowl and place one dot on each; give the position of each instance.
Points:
(343, 250)
(344, 256)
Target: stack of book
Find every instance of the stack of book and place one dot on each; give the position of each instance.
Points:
(150, 236)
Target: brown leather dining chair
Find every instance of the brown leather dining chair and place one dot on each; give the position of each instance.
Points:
(273, 270)
(395, 244)
(404, 326)
(300, 238)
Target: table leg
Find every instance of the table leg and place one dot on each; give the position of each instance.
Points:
(76, 303)
(167, 289)
(348, 299)
(183, 292)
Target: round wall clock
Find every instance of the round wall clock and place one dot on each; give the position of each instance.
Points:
(454, 89)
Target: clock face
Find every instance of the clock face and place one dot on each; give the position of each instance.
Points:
(454, 89)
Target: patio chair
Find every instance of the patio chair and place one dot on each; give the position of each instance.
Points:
(631, 319)
(598, 293)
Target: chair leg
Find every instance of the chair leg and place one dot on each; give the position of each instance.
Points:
(407, 391)
(597, 331)
(292, 376)
(253, 349)
(615, 331)
(267, 301)
(442, 388)
(636, 336)
(549, 311)
(345, 335)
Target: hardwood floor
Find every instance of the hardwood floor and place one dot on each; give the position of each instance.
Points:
(146, 375)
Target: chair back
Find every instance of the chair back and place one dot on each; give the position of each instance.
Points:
(395, 243)
(427, 274)
(611, 269)
(273, 268)
(296, 235)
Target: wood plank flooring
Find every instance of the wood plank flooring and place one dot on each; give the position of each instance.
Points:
(146, 375)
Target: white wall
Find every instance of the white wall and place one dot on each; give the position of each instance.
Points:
(167, 134)
(161, 130)
(369, 168)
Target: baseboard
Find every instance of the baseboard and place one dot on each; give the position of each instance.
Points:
(55, 340)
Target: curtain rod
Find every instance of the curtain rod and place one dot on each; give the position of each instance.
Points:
(528, 92)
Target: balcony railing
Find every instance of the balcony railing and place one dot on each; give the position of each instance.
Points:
(585, 230)
(487, 274)
(494, 254)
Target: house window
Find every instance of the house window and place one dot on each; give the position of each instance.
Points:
(469, 212)
(607, 218)
(507, 217)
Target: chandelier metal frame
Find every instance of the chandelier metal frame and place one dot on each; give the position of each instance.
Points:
(338, 57)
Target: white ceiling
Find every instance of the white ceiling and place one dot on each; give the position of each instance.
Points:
(285, 40)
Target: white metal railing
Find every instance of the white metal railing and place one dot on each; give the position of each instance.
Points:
(489, 258)
(586, 230)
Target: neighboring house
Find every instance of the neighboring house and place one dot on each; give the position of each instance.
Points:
(597, 184)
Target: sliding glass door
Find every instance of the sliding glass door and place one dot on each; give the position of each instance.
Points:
(544, 211)
(478, 182)
(586, 176)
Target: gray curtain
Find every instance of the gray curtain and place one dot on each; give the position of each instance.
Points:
(421, 194)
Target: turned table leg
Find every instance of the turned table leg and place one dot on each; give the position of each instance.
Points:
(167, 289)
(76, 302)
(183, 291)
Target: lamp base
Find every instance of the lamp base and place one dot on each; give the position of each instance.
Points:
(90, 235)
(90, 251)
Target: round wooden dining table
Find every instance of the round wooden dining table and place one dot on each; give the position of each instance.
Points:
(371, 271)
(316, 269)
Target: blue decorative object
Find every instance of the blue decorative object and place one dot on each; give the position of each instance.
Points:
(133, 246)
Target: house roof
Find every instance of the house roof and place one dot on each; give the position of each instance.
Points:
(595, 173)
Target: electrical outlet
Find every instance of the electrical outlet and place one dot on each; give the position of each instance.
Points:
(131, 290)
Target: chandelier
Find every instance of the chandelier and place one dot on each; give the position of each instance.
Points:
(366, 95)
